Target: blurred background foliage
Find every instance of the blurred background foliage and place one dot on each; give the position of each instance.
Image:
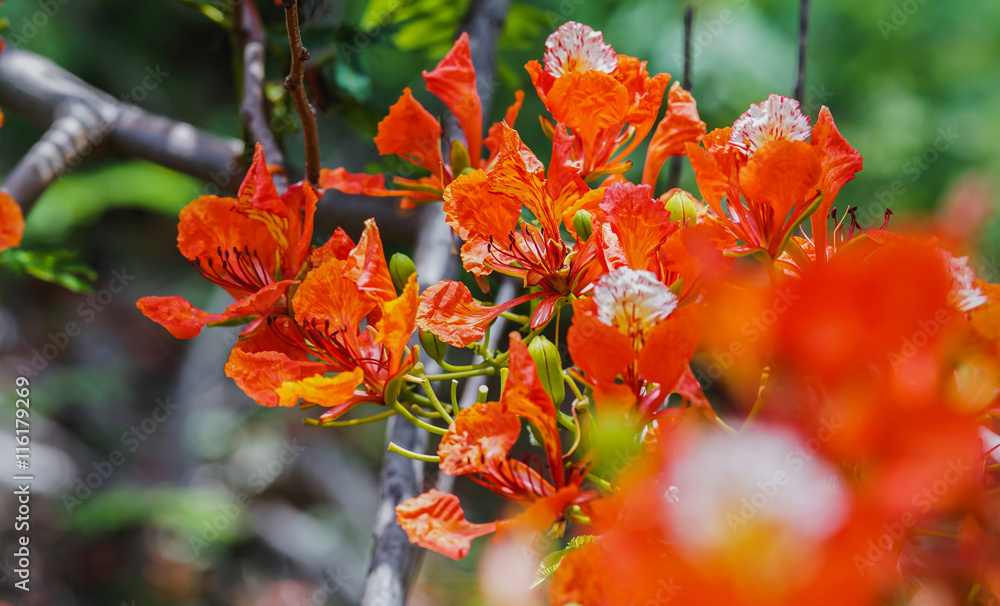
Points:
(896, 75)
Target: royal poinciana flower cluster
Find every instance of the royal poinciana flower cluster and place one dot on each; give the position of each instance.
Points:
(756, 401)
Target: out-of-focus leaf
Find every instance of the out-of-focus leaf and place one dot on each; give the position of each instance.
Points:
(77, 199)
(551, 562)
(524, 25)
(59, 267)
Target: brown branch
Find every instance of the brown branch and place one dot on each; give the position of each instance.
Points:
(800, 80)
(294, 84)
(81, 115)
(251, 39)
(674, 178)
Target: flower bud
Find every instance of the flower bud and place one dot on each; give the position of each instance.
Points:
(400, 269)
(432, 345)
(460, 160)
(582, 225)
(549, 365)
(681, 205)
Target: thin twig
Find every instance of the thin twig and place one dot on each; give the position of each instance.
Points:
(249, 32)
(800, 81)
(674, 178)
(294, 84)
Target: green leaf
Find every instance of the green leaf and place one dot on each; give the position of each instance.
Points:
(59, 267)
(80, 198)
(551, 562)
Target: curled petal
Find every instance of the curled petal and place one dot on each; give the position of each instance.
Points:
(261, 374)
(839, 162)
(454, 82)
(257, 192)
(412, 132)
(478, 440)
(339, 246)
(493, 139)
(366, 265)
(176, 314)
(680, 125)
(398, 321)
(435, 520)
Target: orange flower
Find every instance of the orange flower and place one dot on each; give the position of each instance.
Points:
(484, 208)
(412, 133)
(254, 246)
(608, 101)
(477, 445)
(770, 177)
(330, 306)
(633, 328)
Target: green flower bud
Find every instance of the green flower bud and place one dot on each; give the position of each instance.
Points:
(459, 158)
(401, 268)
(432, 345)
(582, 225)
(682, 206)
(549, 365)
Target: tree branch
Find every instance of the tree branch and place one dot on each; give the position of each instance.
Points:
(251, 40)
(394, 559)
(674, 178)
(82, 116)
(294, 84)
(800, 80)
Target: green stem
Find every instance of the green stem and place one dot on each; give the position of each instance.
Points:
(464, 374)
(603, 484)
(454, 397)
(418, 422)
(416, 456)
(436, 403)
(351, 422)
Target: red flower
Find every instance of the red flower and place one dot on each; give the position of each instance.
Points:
(607, 101)
(254, 246)
(330, 306)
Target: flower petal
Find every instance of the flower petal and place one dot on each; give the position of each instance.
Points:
(366, 265)
(680, 125)
(448, 311)
(319, 389)
(435, 520)
(479, 439)
(398, 321)
(599, 350)
(781, 174)
(177, 315)
(631, 226)
(327, 294)
(454, 82)
(261, 374)
(412, 132)
(525, 396)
